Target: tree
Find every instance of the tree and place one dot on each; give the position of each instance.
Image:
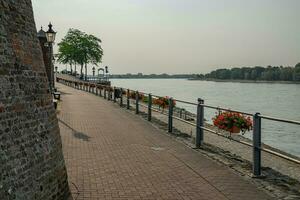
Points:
(297, 72)
(80, 48)
(269, 73)
(66, 54)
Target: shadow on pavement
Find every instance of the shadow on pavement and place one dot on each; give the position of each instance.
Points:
(76, 134)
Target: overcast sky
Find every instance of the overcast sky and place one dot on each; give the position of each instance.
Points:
(181, 36)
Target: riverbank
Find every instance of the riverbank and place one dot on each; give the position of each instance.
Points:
(231, 153)
(245, 81)
(111, 153)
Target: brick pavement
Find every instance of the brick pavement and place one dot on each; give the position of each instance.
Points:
(112, 154)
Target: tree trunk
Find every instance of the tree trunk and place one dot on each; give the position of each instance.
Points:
(81, 73)
(71, 68)
(85, 72)
(75, 70)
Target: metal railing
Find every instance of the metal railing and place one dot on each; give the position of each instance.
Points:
(114, 93)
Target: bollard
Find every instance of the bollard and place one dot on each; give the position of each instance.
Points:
(128, 100)
(170, 116)
(149, 107)
(115, 99)
(137, 102)
(256, 145)
(104, 95)
(200, 123)
(121, 97)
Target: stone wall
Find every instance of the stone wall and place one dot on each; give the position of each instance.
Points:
(46, 53)
(31, 159)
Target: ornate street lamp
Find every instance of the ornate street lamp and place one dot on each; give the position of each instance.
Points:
(93, 71)
(50, 35)
(106, 73)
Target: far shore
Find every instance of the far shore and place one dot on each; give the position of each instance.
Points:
(246, 81)
(214, 80)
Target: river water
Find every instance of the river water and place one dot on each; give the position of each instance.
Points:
(273, 99)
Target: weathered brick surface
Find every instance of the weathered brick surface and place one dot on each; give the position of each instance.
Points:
(31, 159)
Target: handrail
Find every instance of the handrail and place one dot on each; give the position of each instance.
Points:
(280, 120)
(186, 102)
(227, 109)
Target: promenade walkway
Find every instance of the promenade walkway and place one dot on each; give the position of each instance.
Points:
(111, 153)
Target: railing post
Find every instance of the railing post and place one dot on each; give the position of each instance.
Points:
(128, 100)
(121, 97)
(256, 145)
(149, 107)
(115, 100)
(200, 123)
(170, 116)
(109, 94)
(137, 102)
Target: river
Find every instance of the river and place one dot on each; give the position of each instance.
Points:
(273, 99)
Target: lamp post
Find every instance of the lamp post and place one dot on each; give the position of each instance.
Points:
(50, 35)
(106, 72)
(93, 71)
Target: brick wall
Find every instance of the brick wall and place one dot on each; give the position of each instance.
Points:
(31, 159)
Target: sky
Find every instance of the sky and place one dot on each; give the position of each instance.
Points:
(181, 36)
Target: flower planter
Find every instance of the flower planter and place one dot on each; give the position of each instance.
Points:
(235, 130)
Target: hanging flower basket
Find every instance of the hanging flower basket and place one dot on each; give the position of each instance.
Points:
(132, 95)
(163, 102)
(233, 122)
(235, 129)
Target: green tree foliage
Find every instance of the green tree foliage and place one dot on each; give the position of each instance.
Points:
(80, 48)
(269, 73)
(297, 72)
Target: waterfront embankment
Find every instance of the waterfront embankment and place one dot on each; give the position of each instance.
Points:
(112, 153)
(279, 184)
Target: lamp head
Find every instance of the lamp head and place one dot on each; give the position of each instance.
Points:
(50, 34)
